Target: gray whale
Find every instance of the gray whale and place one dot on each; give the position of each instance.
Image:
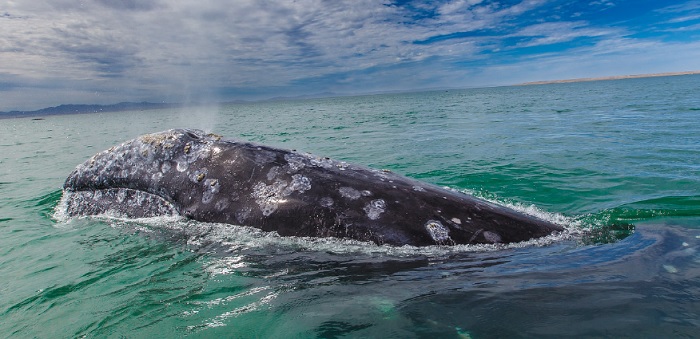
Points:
(204, 177)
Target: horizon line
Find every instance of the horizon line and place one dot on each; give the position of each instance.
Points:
(96, 108)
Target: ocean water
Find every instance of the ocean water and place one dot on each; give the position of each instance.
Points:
(585, 155)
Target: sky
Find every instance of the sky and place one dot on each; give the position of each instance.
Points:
(56, 52)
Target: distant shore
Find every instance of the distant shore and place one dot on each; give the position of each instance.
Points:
(616, 77)
(86, 109)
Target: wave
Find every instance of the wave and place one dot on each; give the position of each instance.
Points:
(666, 206)
(47, 203)
(647, 210)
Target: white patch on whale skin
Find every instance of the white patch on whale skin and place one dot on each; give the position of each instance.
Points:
(342, 165)
(456, 221)
(211, 188)
(349, 192)
(215, 152)
(326, 163)
(295, 162)
(418, 188)
(375, 208)
(439, 233)
(182, 165)
(269, 197)
(299, 183)
(165, 167)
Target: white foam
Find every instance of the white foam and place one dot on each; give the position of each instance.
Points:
(233, 238)
(60, 214)
(570, 224)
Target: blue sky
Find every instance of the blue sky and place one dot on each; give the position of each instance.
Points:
(107, 51)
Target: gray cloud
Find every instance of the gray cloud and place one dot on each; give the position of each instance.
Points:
(130, 5)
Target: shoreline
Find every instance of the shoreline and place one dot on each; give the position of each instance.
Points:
(614, 77)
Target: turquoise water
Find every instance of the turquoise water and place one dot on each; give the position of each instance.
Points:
(585, 155)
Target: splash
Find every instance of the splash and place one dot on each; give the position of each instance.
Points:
(226, 239)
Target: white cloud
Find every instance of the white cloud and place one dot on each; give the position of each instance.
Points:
(685, 18)
(104, 51)
(558, 32)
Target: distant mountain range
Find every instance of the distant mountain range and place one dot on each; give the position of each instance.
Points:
(82, 109)
(130, 106)
(134, 106)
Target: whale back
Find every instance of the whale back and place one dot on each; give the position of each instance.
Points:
(205, 177)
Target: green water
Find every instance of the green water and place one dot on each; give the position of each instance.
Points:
(585, 155)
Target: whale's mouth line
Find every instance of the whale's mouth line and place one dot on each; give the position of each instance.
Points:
(117, 202)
